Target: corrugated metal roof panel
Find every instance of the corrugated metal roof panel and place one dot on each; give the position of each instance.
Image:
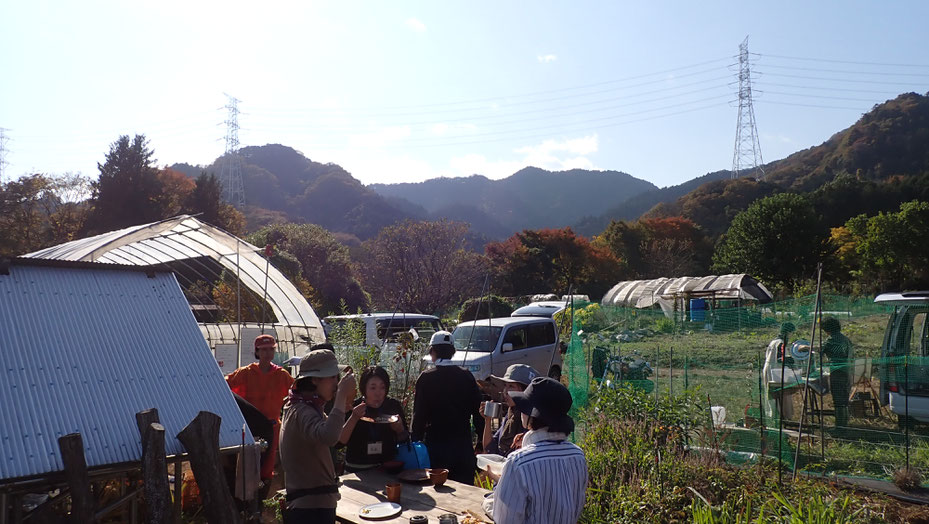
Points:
(84, 350)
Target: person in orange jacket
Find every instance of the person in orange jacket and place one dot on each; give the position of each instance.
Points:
(264, 385)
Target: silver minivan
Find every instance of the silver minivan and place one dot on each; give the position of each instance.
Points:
(488, 346)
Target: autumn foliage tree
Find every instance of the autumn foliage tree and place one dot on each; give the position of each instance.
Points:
(38, 210)
(550, 260)
(421, 266)
(657, 247)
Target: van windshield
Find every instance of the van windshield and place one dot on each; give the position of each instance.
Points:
(390, 329)
(482, 338)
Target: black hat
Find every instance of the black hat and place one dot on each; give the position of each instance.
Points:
(547, 400)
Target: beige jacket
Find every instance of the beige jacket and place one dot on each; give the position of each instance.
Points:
(306, 436)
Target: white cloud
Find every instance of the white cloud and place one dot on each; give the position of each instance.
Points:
(416, 25)
(554, 155)
(546, 58)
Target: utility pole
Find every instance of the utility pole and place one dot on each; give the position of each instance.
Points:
(231, 173)
(746, 158)
(3, 150)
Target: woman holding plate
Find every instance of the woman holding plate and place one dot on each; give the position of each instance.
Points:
(370, 436)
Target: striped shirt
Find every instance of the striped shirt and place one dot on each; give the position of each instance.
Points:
(543, 482)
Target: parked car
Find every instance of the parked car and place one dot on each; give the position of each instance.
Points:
(906, 335)
(547, 308)
(488, 346)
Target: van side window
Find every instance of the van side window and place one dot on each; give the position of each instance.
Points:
(916, 337)
(518, 337)
(541, 334)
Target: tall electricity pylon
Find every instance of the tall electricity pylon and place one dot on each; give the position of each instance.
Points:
(231, 173)
(746, 159)
(3, 150)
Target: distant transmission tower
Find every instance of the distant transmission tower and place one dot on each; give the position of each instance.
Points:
(231, 173)
(746, 158)
(3, 150)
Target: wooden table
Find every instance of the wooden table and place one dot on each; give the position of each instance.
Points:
(367, 487)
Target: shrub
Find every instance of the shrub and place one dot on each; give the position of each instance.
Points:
(491, 306)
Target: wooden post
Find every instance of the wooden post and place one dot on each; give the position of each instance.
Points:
(154, 468)
(201, 439)
(178, 487)
(75, 469)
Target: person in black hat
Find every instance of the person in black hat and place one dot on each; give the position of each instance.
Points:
(546, 479)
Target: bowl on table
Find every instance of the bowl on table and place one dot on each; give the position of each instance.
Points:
(438, 476)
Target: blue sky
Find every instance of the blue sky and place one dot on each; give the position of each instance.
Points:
(405, 91)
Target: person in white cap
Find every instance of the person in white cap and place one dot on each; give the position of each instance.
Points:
(446, 399)
(307, 435)
(516, 378)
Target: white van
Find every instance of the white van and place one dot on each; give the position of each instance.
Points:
(906, 388)
(488, 346)
(386, 327)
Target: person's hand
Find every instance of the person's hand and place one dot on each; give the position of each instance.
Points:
(518, 441)
(493, 476)
(397, 427)
(346, 390)
(482, 411)
(359, 411)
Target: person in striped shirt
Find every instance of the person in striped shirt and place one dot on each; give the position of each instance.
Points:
(546, 479)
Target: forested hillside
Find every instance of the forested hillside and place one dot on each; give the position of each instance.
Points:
(531, 198)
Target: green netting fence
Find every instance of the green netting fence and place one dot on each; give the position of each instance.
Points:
(851, 412)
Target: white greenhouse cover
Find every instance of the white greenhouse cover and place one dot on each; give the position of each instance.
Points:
(185, 237)
(647, 293)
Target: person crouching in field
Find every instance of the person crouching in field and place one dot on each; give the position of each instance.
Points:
(546, 479)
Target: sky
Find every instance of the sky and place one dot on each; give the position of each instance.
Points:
(406, 91)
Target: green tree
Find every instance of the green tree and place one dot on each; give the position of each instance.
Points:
(128, 191)
(421, 266)
(778, 240)
(891, 248)
(323, 262)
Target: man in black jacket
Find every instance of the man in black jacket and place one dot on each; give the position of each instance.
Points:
(447, 398)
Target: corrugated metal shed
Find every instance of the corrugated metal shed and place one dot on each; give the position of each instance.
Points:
(186, 238)
(646, 293)
(85, 347)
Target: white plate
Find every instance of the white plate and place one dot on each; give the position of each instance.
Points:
(381, 510)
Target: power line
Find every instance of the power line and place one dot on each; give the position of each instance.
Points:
(809, 59)
(538, 93)
(844, 71)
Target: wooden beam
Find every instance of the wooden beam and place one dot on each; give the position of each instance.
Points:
(83, 505)
(154, 468)
(201, 439)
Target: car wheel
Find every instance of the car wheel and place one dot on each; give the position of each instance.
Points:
(555, 373)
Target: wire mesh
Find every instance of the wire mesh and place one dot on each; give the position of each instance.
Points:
(866, 387)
